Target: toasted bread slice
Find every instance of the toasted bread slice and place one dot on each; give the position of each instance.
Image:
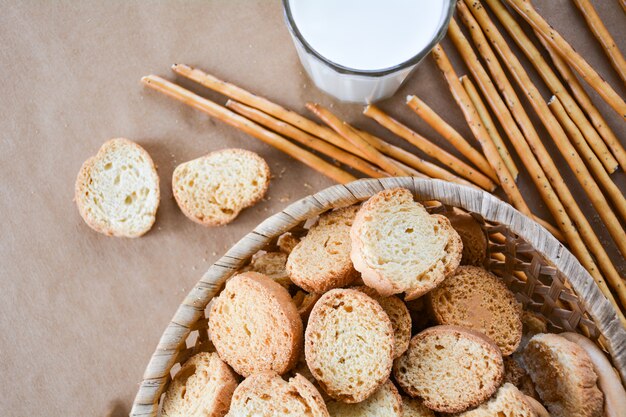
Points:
(385, 401)
(414, 408)
(516, 375)
(202, 387)
(255, 326)
(272, 265)
(213, 189)
(117, 191)
(349, 344)
(321, 261)
(266, 394)
(564, 377)
(472, 235)
(304, 302)
(475, 298)
(286, 242)
(508, 401)
(398, 247)
(399, 316)
(450, 368)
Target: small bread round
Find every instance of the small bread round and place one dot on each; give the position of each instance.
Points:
(507, 401)
(202, 387)
(255, 325)
(385, 401)
(267, 394)
(349, 345)
(475, 298)
(272, 265)
(564, 377)
(398, 247)
(213, 189)
(412, 407)
(117, 191)
(472, 235)
(450, 368)
(399, 316)
(321, 261)
(608, 379)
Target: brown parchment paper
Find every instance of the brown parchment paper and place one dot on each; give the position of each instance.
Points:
(81, 313)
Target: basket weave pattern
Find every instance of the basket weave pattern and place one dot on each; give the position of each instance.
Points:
(532, 263)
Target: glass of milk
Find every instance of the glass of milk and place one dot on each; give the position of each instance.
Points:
(362, 50)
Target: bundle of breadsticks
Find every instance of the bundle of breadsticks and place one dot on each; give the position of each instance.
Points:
(489, 102)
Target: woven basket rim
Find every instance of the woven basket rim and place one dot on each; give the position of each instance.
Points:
(488, 206)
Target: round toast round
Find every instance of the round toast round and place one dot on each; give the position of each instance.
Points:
(412, 407)
(385, 401)
(255, 326)
(349, 344)
(213, 189)
(475, 298)
(450, 368)
(507, 401)
(117, 191)
(398, 247)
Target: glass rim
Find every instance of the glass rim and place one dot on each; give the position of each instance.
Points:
(441, 31)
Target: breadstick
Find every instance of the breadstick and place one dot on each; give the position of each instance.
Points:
(251, 128)
(451, 135)
(237, 93)
(304, 138)
(489, 124)
(554, 84)
(603, 36)
(598, 200)
(473, 120)
(608, 381)
(430, 148)
(545, 174)
(527, 11)
(343, 129)
(585, 102)
(587, 154)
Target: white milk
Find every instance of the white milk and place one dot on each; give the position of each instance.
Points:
(362, 50)
(367, 34)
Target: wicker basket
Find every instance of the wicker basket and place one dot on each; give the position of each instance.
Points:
(545, 276)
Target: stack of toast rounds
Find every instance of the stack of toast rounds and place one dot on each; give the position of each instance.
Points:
(383, 309)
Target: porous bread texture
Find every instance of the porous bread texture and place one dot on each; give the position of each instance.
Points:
(255, 325)
(515, 374)
(399, 316)
(305, 302)
(508, 401)
(450, 368)
(564, 377)
(412, 407)
(303, 369)
(272, 265)
(475, 298)
(398, 247)
(117, 191)
(384, 402)
(203, 387)
(349, 344)
(286, 242)
(321, 261)
(213, 189)
(472, 235)
(266, 394)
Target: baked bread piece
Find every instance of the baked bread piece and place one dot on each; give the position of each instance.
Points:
(286, 242)
(255, 325)
(412, 407)
(450, 368)
(516, 375)
(399, 316)
(272, 265)
(472, 235)
(266, 394)
(321, 261)
(117, 191)
(213, 189)
(508, 401)
(384, 402)
(475, 298)
(563, 376)
(349, 345)
(202, 387)
(304, 302)
(398, 247)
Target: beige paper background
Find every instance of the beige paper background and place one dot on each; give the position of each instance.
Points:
(81, 313)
